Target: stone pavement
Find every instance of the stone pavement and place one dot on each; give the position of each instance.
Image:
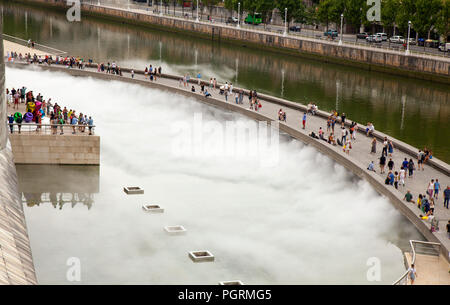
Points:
(9, 46)
(431, 270)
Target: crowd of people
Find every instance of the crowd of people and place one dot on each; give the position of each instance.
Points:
(37, 108)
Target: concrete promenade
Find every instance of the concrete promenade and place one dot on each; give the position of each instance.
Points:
(9, 46)
(431, 270)
(357, 161)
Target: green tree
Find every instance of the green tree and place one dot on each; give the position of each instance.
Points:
(442, 22)
(295, 10)
(354, 12)
(427, 13)
(323, 12)
(389, 10)
(265, 7)
(405, 13)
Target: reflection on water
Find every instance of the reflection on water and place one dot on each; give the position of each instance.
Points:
(414, 111)
(58, 185)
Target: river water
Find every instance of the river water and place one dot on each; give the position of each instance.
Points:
(415, 111)
(305, 220)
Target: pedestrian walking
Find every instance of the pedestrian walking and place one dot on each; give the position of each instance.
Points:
(437, 188)
(391, 164)
(304, 120)
(410, 168)
(382, 163)
(430, 189)
(412, 273)
(446, 196)
(373, 150)
(385, 147)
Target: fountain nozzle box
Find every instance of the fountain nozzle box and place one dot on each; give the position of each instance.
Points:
(152, 208)
(175, 230)
(201, 256)
(234, 282)
(133, 190)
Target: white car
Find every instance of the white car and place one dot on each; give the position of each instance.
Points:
(411, 41)
(397, 39)
(382, 35)
(374, 38)
(444, 47)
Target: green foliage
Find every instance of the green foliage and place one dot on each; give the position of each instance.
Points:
(295, 10)
(442, 22)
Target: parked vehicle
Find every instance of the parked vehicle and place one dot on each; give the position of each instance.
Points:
(383, 36)
(412, 41)
(374, 38)
(232, 20)
(362, 35)
(397, 39)
(432, 43)
(253, 19)
(444, 47)
(332, 33)
(295, 28)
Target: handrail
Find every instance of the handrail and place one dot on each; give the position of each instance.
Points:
(411, 243)
(51, 129)
(25, 42)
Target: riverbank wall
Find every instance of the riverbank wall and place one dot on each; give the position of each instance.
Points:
(16, 261)
(431, 68)
(55, 149)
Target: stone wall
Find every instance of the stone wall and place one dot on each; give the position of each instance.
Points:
(16, 261)
(55, 149)
(3, 133)
(393, 62)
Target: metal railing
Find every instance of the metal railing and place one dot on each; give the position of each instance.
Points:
(421, 247)
(39, 47)
(50, 129)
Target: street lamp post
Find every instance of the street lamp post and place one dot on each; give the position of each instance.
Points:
(160, 7)
(407, 42)
(239, 15)
(197, 13)
(340, 39)
(285, 22)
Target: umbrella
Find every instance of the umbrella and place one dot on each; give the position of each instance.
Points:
(17, 115)
(31, 106)
(28, 117)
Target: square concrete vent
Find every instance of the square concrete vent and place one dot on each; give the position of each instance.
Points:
(236, 282)
(133, 190)
(175, 230)
(201, 256)
(152, 208)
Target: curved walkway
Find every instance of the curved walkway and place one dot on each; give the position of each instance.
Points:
(357, 161)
